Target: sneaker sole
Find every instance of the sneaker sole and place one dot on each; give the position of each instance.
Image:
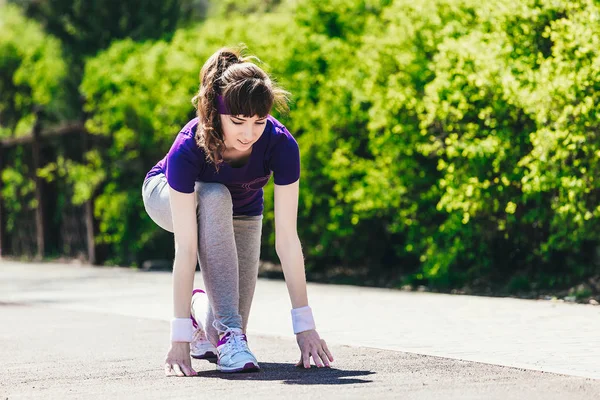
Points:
(248, 367)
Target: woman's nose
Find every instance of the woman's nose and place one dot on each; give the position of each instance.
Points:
(247, 134)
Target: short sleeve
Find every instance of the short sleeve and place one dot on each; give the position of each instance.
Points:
(184, 162)
(285, 160)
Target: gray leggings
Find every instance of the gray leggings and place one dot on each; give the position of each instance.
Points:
(228, 249)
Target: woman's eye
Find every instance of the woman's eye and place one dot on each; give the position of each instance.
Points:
(236, 123)
(261, 123)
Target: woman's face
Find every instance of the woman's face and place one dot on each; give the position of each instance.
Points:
(240, 132)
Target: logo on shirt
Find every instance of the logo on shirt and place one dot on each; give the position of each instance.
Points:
(257, 183)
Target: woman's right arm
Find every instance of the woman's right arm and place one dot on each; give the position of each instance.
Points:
(185, 229)
(183, 211)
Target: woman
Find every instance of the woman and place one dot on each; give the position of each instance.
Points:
(208, 192)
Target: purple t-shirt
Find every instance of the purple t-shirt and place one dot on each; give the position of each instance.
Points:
(275, 151)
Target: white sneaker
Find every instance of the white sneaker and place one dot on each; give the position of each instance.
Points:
(200, 347)
(234, 354)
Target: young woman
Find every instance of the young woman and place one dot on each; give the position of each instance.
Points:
(208, 192)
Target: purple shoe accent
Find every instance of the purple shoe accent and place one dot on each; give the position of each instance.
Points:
(224, 339)
(198, 291)
(250, 367)
(194, 321)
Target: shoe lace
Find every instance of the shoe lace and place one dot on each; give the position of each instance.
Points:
(237, 340)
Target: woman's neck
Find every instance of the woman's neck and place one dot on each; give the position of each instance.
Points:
(235, 155)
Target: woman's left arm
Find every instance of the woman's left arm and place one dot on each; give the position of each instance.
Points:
(289, 251)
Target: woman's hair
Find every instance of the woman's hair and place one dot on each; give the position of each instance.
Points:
(245, 90)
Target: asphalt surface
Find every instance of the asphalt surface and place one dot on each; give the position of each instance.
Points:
(72, 332)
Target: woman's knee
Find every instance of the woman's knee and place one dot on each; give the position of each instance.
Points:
(213, 195)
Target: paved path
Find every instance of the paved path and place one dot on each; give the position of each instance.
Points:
(67, 332)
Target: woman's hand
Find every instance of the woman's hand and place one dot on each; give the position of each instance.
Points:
(178, 360)
(311, 345)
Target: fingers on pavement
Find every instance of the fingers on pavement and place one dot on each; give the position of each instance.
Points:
(329, 355)
(179, 369)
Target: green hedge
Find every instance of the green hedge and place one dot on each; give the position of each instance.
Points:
(31, 72)
(446, 142)
(485, 115)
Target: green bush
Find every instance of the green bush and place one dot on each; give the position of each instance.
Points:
(139, 105)
(484, 117)
(31, 72)
(448, 142)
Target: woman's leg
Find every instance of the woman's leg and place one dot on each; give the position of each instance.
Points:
(155, 193)
(218, 257)
(244, 234)
(247, 231)
(247, 238)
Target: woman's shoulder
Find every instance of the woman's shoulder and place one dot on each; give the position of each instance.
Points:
(190, 128)
(281, 143)
(187, 134)
(284, 154)
(185, 141)
(279, 134)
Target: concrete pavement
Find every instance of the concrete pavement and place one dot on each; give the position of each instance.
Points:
(82, 332)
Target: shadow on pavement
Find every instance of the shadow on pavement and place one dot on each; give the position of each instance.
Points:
(292, 375)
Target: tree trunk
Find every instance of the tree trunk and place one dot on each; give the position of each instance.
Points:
(39, 213)
(89, 205)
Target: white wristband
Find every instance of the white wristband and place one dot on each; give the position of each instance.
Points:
(302, 319)
(181, 330)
